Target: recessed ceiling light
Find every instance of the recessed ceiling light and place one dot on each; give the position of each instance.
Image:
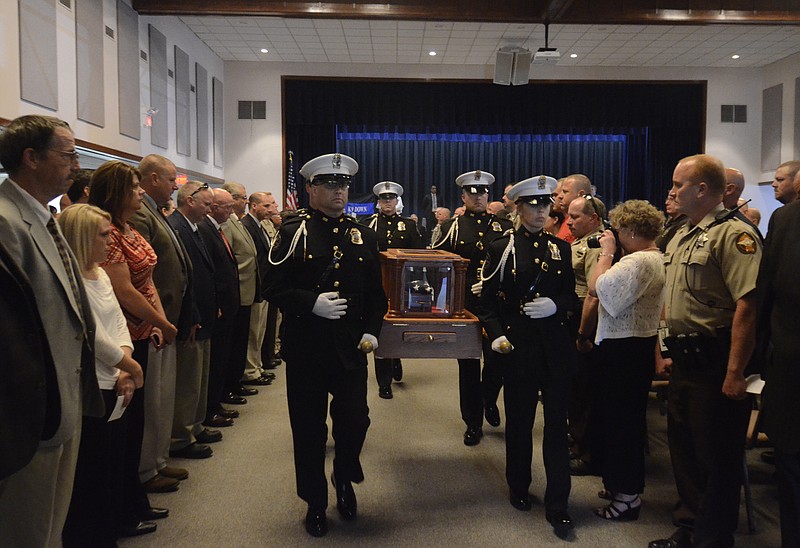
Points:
(264, 50)
(734, 56)
(573, 55)
(432, 53)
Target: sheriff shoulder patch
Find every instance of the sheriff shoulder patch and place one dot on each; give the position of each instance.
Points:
(745, 244)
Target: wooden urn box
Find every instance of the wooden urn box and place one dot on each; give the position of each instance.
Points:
(426, 317)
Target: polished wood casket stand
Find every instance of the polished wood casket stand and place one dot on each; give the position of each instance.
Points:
(450, 333)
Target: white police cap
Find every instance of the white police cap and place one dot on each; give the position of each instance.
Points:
(329, 164)
(387, 187)
(535, 191)
(476, 181)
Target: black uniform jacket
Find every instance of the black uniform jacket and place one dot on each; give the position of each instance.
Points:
(546, 260)
(310, 270)
(395, 232)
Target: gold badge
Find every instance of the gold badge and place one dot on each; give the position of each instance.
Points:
(745, 244)
(401, 225)
(555, 254)
(355, 236)
(496, 227)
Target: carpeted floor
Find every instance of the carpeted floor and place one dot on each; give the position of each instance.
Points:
(423, 487)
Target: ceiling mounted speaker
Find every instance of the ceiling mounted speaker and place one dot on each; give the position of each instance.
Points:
(512, 66)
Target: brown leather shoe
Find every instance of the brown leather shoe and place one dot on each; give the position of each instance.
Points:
(160, 484)
(174, 472)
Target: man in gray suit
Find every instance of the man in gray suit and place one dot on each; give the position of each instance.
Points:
(38, 152)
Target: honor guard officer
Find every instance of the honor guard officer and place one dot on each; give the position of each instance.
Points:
(393, 231)
(711, 268)
(469, 235)
(325, 277)
(527, 299)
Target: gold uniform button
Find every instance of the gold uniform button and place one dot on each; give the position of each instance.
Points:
(361, 259)
(480, 233)
(337, 265)
(536, 260)
(310, 256)
(336, 284)
(336, 230)
(479, 221)
(535, 244)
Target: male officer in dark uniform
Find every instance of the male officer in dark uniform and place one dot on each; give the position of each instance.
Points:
(526, 302)
(711, 265)
(325, 277)
(469, 235)
(393, 231)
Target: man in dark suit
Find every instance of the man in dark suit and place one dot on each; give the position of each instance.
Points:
(780, 301)
(226, 283)
(38, 152)
(329, 289)
(195, 327)
(171, 276)
(430, 203)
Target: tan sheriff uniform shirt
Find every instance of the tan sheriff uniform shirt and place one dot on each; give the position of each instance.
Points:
(708, 270)
(584, 259)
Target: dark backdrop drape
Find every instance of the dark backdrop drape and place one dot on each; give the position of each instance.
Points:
(658, 123)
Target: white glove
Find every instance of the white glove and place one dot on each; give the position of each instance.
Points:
(330, 306)
(366, 337)
(476, 288)
(497, 342)
(541, 307)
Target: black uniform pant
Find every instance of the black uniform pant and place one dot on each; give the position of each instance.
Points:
(788, 469)
(469, 392)
(524, 379)
(625, 374)
(384, 368)
(706, 433)
(95, 507)
(238, 349)
(220, 363)
(308, 383)
(583, 391)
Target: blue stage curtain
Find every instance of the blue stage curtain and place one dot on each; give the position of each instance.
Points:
(419, 160)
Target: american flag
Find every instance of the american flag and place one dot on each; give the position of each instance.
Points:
(291, 186)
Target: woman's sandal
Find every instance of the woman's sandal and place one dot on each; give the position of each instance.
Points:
(621, 510)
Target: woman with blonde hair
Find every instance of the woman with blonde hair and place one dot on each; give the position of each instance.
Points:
(94, 508)
(630, 292)
(115, 188)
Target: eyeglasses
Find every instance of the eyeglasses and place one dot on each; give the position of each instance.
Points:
(595, 205)
(202, 187)
(73, 155)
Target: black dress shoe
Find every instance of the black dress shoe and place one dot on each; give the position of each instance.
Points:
(260, 381)
(217, 421)
(273, 363)
(193, 451)
(316, 522)
(209, 436)
(385, 392)
(561, 522)
(681, 538)
(228, 413)
(141, 528)
(492, 415)
(345, 499)
(269, 375)
(473, 435)
(244, 391)
(233, 399)
(397, 371)
(154, 513)
(520, 501)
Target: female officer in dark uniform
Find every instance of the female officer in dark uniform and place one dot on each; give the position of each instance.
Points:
(528, 294)
(393, 231)
(325, 277)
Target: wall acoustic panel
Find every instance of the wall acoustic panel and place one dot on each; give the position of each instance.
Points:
(37, 52)
(216, 90)
(201, 87)
(89, 32)
(130, 110)
(183, 117)
(159, 132)
(796, 118)
(771, 118)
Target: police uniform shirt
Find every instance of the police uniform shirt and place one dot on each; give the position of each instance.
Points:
(584, 259)
(475, 232)
(395, 232)
(294, 284)
(707, 272)
(501, 303)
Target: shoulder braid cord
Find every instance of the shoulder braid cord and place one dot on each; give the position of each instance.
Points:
(501, 265)
(373, 224)
(451, 235)
(301, 232)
